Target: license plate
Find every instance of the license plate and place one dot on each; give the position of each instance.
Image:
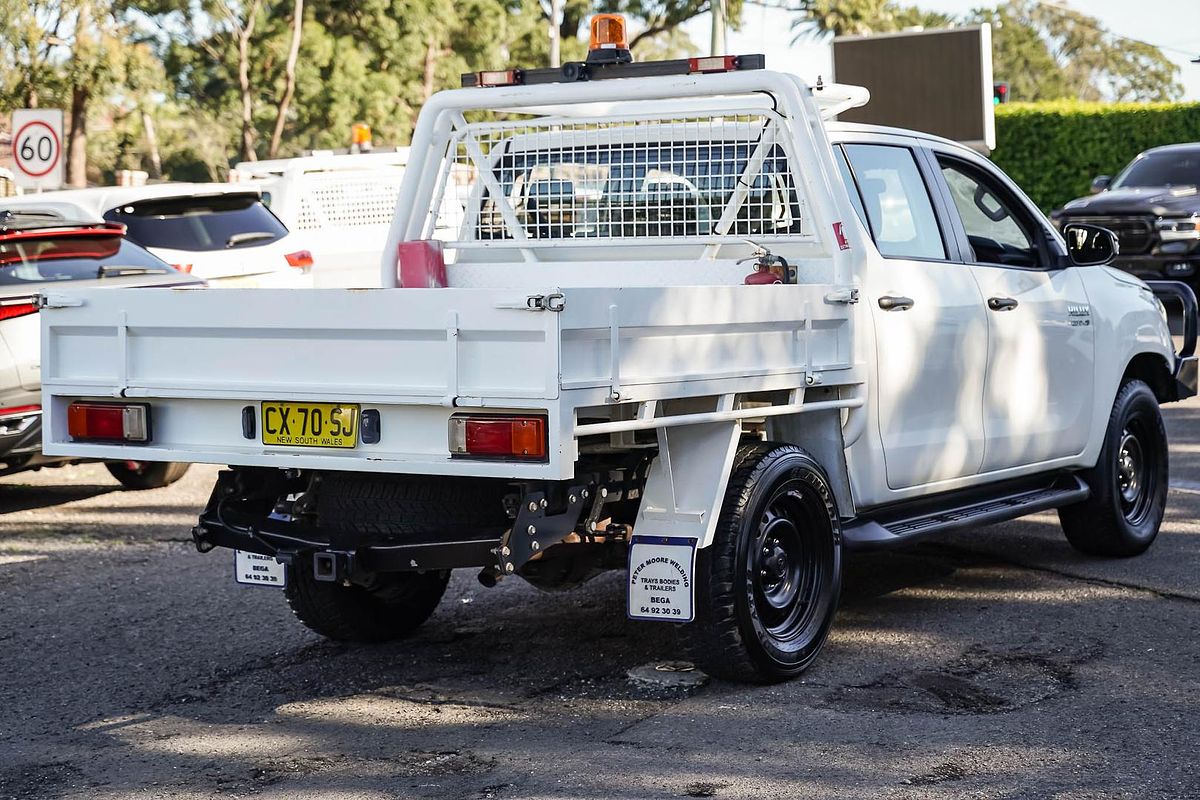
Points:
(310, 424)
(255, 569)
(661, 578)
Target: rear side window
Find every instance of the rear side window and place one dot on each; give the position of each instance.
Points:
(199, 223)
(70, 258)
(897, 201)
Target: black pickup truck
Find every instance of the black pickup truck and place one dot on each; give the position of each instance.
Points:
(1153, 206)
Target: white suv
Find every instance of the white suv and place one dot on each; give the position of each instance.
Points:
(218, 232)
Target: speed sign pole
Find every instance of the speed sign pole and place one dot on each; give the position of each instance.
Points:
(37, 147)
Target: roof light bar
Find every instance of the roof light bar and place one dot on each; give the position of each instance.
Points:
(575, 71)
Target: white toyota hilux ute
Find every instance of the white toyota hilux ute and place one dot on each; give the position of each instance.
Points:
(686, 328)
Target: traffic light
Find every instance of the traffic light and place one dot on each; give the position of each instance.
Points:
(999, 93)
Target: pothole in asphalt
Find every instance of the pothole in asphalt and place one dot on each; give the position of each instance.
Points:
(411, 764)
(981, 681)
(939, 774)
(668, 675)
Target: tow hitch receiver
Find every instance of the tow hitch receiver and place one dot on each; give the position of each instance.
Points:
(333, 566)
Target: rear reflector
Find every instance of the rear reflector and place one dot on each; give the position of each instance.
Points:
(712, 64)
(184, 267)
(109, 422)
(17, 411)
(12, 310)
(301, 259)
(498, 77)
(421, 264)
(499, 437)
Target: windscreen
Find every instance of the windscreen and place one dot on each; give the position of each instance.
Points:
(688, 178)
(199, 223)
(1162, 169)
(71, 258)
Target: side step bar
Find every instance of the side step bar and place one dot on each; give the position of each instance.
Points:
(898, 527)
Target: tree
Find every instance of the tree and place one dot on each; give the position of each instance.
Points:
(1043, 51)
(29, 34)
(821, 18)
(289, 79)
(68, 53)
(1048, 52)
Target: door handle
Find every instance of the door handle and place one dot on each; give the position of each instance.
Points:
(895, 303)
(1001, 303)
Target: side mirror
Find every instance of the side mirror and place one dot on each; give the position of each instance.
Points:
(1100, 183)
(1090, 245)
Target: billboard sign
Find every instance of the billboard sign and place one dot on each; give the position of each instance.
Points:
(938, 82)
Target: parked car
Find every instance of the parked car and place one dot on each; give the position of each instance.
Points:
(218, 232)
(586, 377)
(38, 255)
(1153, 206)
(343, 204)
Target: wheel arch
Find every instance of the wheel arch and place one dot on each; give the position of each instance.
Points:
(1153, 370)
(686, 484)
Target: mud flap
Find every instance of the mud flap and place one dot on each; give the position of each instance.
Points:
(678, 515)
(661, 582)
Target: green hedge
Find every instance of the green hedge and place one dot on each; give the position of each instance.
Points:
(1053, 150)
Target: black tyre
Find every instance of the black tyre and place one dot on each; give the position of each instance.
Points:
(1129, 483)
(146, 474)
(767, 587)
(412, 508)
(387, 606)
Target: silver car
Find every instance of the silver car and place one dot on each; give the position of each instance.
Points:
(41, 252)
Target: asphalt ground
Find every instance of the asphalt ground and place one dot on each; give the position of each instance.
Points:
(992, 663)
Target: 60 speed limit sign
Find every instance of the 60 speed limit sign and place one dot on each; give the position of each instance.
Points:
(37, 147)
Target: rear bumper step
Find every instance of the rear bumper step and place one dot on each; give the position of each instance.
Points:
(225, 527)
(899, 528)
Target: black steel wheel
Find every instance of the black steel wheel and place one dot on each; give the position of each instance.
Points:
(767, 587)
(146, 474)
(1129, 482)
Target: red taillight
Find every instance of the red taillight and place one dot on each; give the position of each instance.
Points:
(110, 422)
(183, 268)
(17, 411)
(504, 437)
(712, 64)
(17, 308)
(301, 259)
